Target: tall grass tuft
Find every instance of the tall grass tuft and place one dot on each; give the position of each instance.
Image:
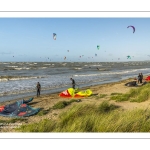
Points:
(105, 107)
(140, 94)
(43, 112)
(63, 104)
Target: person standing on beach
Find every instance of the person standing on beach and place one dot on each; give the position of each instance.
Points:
(73, 83)
(38, 89)
(139, 78)
(141, 81)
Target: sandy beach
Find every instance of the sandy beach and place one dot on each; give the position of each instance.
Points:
(49, 100)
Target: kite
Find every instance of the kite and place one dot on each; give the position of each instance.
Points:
(72, 93)
(132, 28)
(64, 58)
(68, 50)
(95, 54)
(98, 47)
(128, 57)
(54, 36)
(19, 108)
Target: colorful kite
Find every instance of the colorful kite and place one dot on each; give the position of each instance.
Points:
(132, 28)
(72, 93)
(54, 36)
(98, 47)
(128, 57)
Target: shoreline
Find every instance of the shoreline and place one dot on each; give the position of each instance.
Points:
(57, 90)
(47, 101)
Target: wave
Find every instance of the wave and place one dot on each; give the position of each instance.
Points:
(12, 66)
(86, 75)
(96, 65)
(9, 78)
(77, 68)
(22, 68)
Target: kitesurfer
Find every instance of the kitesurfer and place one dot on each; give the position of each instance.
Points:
(38, 89)
(73, 83)
(139, 78)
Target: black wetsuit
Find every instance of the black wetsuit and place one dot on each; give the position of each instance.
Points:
(141, 78)
(73, 83)
(38, 89)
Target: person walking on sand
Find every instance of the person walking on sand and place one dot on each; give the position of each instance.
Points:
(73, 83)
(38, 89)
(141, 81)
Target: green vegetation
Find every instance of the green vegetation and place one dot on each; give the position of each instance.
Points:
(106, 107)
(116, 93)
(43, 112)
(63, 104)
(13, 120)
(91, 118)
(140, 94)
(100, 96)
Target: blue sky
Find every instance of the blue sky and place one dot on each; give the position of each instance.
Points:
(31, 39)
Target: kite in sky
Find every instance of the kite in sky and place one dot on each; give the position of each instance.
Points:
(64, 58)
(128, 57)
(98, 47)
(54, 36)
(132, 28)
(68, 50)
(95, 54)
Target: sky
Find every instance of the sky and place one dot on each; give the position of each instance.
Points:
(31, 39)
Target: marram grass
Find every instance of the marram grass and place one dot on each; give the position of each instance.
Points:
(92, 118)
(140, 94)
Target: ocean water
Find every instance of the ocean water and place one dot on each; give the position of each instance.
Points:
(19, 79)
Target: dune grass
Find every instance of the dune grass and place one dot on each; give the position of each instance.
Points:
(139, 94)
(97, 97)
(63, 104)
(91, 118)
(43, 112)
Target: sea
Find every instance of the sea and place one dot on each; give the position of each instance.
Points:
(18, 79)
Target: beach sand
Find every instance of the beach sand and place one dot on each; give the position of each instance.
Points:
(47, 101)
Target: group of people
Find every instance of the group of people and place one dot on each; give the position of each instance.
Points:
(38, 86)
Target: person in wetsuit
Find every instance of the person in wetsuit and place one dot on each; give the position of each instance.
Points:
(141, 81)
(38, 89)
(73, 83)
(139, 78)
